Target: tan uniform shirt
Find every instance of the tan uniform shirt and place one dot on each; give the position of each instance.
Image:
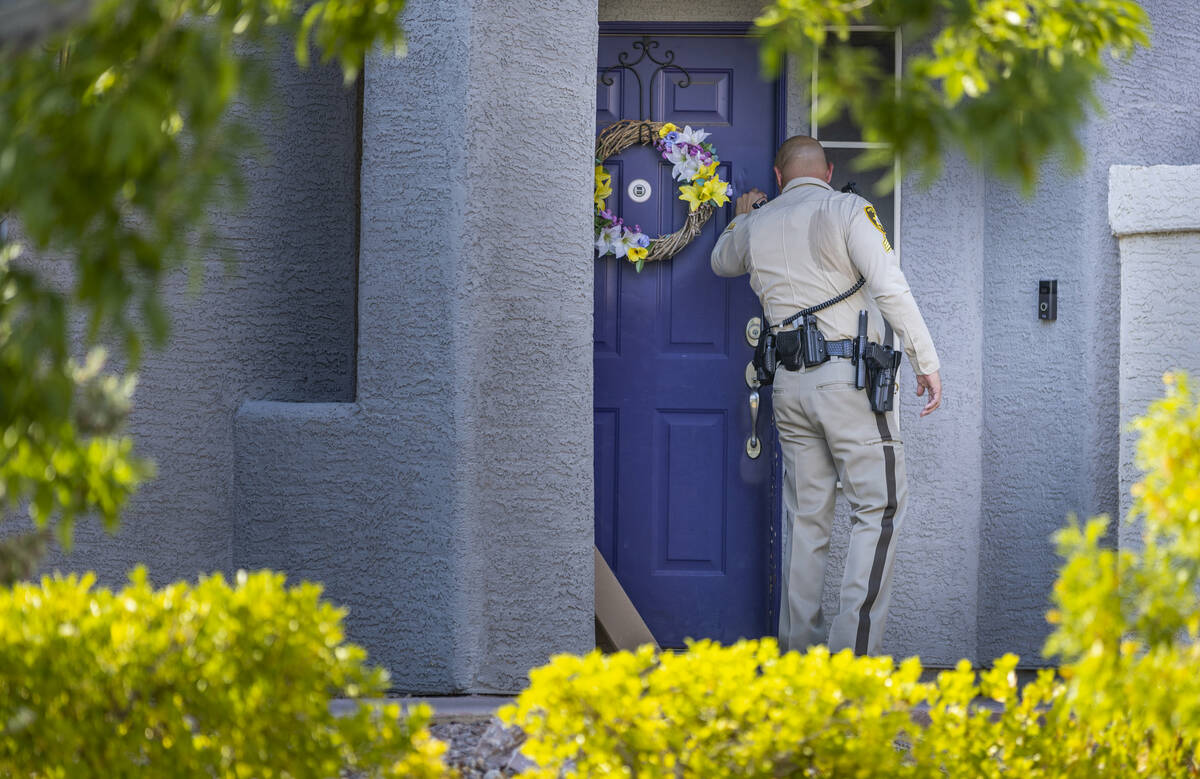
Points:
(810, 244)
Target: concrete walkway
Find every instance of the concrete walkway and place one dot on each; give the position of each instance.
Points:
(459, 708)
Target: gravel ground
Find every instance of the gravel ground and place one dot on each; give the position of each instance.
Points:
(481, 748)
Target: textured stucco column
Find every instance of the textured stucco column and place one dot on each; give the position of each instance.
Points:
(450, 507)
(935, 602)
(1152, 211)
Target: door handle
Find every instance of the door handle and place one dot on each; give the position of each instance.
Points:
(753, 444)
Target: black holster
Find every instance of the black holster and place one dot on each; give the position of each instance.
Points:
(883, 362)
(814, 343)
(764, 356)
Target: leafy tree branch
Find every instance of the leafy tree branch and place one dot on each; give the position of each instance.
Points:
(115, 140)
(1008, 82)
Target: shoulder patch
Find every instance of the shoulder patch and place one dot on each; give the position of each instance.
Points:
(875, 219)
(870, 211)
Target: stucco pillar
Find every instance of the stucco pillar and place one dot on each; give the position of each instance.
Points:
(935, 605)
(450, 507)
(1152, 211)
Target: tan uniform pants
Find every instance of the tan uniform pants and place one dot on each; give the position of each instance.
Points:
(827, 431)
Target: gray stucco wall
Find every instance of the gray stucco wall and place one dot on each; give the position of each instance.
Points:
(679, 10)
(451, 507)
(1051, 403)
(934, 605)
(445, 496)
(1152, 211)
(275, 319)
(1034, 417)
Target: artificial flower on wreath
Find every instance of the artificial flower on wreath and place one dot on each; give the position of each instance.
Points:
(603, 186)
(694, 163)
(616, 238)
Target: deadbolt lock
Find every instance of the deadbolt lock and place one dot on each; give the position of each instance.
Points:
(753, 330)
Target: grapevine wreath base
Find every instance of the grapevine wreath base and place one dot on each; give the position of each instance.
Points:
(695, 167)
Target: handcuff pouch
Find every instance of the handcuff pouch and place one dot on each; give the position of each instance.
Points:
(789, 349)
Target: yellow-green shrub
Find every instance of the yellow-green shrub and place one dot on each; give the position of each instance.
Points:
(1126, 702)
(743, 710)
(1128, 620)
(748, 711)
(208, 680)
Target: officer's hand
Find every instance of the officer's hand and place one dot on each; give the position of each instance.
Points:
(933, 383)
(746, 202)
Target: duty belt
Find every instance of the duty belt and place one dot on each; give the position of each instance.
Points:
(875, 364)
(843, 348)
(807, 347)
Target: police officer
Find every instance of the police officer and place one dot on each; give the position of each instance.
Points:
(805, 247)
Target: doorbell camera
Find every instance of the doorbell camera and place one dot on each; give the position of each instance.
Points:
(1048, 299)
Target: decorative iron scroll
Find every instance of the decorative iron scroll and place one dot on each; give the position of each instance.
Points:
(647, 45)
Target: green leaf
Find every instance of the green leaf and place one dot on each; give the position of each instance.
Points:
(1014, 78)
(136, 96)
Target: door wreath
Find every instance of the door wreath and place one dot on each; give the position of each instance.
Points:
(695, 167)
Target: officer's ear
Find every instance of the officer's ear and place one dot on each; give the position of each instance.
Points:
(778, 178)
(828, 173)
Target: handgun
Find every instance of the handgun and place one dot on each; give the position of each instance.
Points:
(860, 352)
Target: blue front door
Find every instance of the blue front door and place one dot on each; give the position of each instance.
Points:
(683, 515)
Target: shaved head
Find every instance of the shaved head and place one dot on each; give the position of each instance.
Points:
(801, 156)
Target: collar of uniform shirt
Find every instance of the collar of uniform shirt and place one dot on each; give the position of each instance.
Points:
(800, 181)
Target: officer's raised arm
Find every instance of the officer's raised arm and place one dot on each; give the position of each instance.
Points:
(872, 254)
(731, 255)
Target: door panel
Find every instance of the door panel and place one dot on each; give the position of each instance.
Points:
(682, 514)
(704, 102)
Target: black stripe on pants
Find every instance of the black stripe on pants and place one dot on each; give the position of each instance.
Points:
(885, 538)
